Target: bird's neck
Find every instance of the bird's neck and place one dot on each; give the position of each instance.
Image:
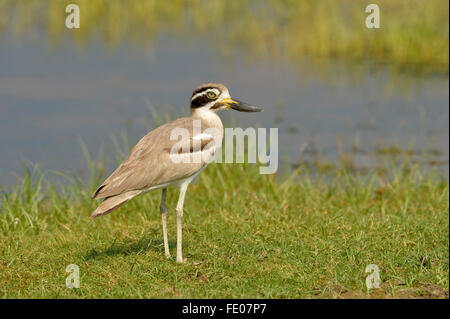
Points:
(208, 116)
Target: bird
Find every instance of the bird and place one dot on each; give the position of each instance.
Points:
(161, 159)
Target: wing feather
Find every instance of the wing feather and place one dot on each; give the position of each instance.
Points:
(149, 163)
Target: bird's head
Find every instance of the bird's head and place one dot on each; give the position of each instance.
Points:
(215, 97)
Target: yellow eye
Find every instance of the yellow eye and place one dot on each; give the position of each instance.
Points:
(211, 94)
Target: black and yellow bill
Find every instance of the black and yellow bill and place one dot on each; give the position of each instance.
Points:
(240, 106)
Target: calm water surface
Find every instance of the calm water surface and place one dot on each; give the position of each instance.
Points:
(51, 97)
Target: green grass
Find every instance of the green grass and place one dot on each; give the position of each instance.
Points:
(245, 236)
(413, 34)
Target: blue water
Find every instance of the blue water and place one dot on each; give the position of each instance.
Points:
(51, 97)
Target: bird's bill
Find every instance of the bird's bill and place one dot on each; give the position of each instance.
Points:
(240, 106)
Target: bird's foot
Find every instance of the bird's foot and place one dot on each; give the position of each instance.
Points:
(181, 260)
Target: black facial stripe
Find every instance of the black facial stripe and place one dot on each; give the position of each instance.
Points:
(200, 101)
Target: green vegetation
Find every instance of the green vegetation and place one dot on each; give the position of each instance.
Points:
(309, 234)
(413, 36)
(245, 235)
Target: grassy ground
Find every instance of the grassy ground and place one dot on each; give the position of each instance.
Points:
(245, 235)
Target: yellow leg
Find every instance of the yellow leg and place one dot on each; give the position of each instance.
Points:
(163, 211)
(179, 211)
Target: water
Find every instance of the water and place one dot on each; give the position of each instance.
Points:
(51, 97)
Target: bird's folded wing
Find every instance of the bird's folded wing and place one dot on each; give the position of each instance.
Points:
(157, 159)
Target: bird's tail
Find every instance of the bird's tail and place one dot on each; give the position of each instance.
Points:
(113, 202)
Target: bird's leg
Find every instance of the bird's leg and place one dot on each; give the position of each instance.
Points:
(163, 210)
(179, 211)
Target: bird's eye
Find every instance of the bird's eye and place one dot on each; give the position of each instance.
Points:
(211, 94)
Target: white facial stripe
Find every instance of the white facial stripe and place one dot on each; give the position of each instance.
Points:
(224, 95)
(204, 93)
(197, 95)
